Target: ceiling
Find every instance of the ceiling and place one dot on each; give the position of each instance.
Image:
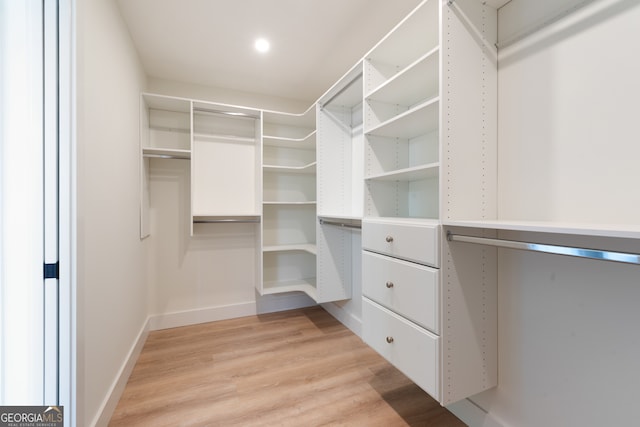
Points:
(210, 42)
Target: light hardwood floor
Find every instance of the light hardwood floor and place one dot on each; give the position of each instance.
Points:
(294, 368)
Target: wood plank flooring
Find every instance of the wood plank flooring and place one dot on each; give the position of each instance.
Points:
(294, 368)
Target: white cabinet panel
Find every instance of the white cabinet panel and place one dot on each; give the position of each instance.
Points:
(414, 241)
(410, 348)
(224, 177)
(409, 289)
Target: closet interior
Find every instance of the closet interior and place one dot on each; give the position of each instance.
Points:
(396, 156)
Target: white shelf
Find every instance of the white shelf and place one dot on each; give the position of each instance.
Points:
(416, 34)
(302, 247)
(582, 229)
(337, 217)
(416, 121)
(166, 153)
(307, 285)
(347, 92)
(166, 103)
(281, 203)
(415, 173)
(403, 220)
(304, 119)
(411, 85)
(230, 138)
(306, 169)
(305, 142)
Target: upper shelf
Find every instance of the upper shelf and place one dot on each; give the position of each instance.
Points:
(307, 169)
(306, 119)
(347, 92)
(424, 37)
(306, 141)
(412, 84)
(166, 103)
(414, 173)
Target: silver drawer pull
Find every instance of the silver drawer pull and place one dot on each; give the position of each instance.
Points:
(389, 285)
(389, 239)
(389, 340)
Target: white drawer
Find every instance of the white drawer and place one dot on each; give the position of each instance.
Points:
(409, 289)
(415, 241)
(411, 349)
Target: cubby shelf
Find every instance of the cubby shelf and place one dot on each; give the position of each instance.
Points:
(288, 261)
(306, 169)
(306, 285)
(409, 86)
(418, 120)
(302, 247)
(285, 203)
(306, 142)
(408, 174)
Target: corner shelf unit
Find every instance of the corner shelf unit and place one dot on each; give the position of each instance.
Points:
(288, 245)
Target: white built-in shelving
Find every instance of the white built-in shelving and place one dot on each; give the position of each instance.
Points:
(420, 82)
(340, 157)
(226, 155)
(222, 145)
(289, 203)
(402, 119)
(165, 133)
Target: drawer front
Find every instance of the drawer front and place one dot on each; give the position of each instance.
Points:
(413, 242)
(411, 349)
(409, 289)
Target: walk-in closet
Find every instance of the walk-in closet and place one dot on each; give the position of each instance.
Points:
(454, 183)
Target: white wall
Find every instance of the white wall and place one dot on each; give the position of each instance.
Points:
(191, 279)
(568, 118)
(568, 340)
(111, 292)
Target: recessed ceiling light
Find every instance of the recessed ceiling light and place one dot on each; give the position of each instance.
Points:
(262, 45)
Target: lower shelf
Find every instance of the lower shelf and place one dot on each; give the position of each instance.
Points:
(303, 247)
(307, 285)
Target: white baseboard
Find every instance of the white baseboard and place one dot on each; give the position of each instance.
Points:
(345, 317)
(201, 315)
(473, 415)
(113, 396)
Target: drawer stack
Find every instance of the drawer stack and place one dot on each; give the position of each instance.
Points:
(401, 293)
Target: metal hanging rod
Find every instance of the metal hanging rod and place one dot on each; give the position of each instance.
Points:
(226, 220)
(339, 224)
(598, 254)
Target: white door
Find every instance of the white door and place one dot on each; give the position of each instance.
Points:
(35, 333)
